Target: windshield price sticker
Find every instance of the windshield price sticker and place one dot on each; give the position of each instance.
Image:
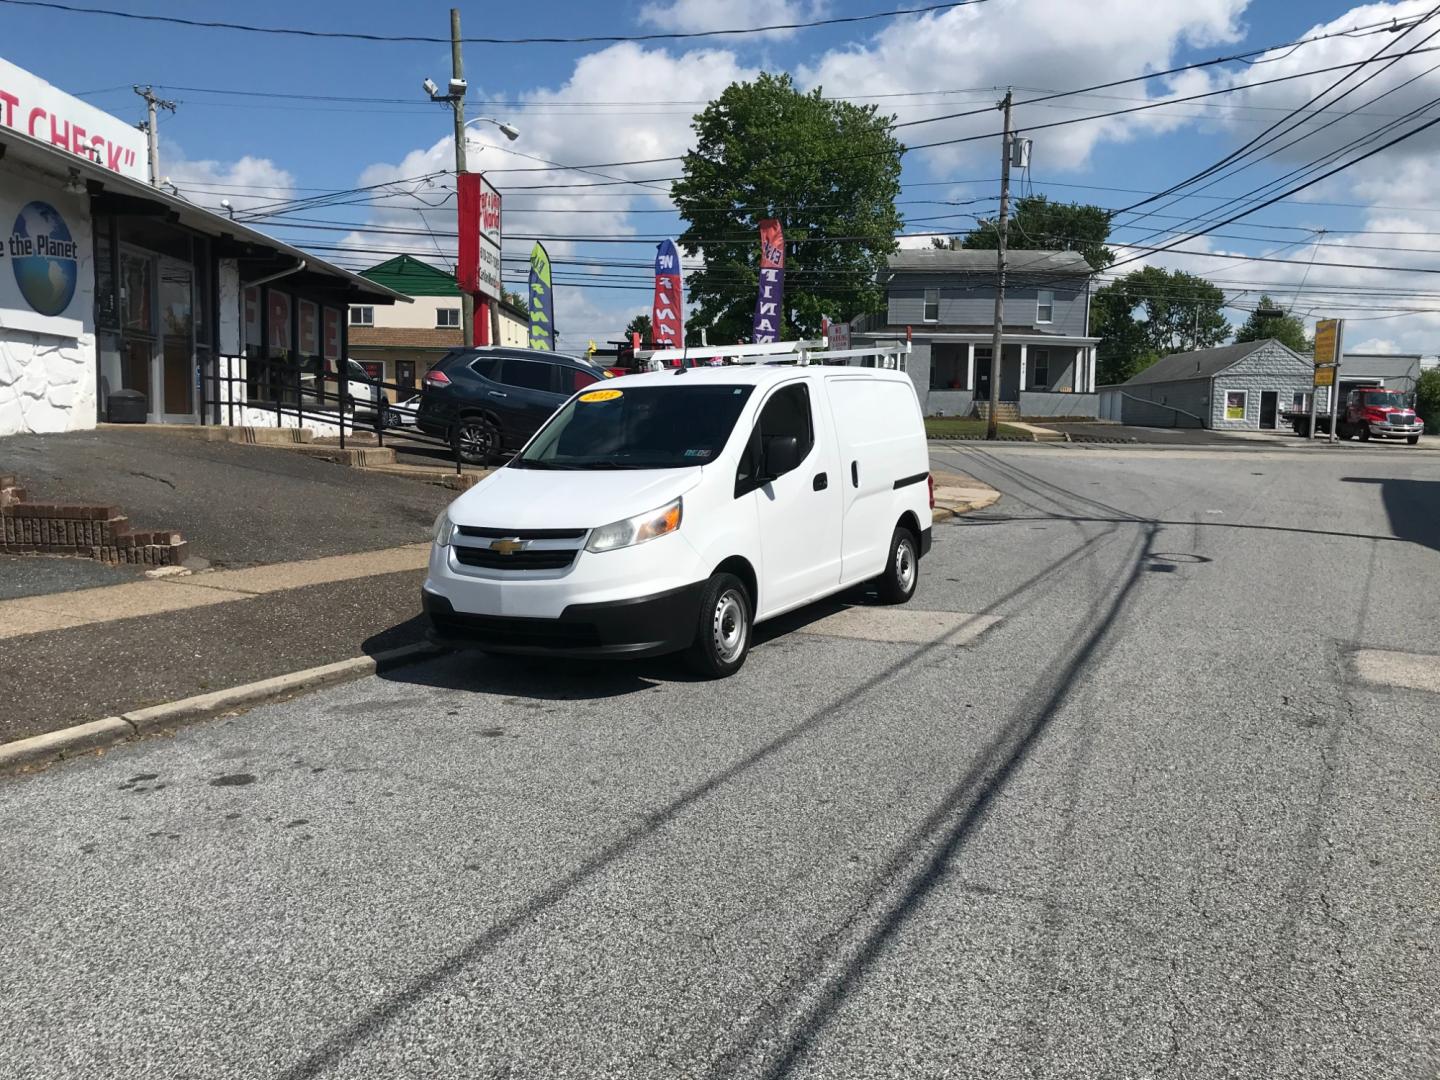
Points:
(601, 395)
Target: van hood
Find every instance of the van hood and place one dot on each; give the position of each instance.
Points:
(579, 499)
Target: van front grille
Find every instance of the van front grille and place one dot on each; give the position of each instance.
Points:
(489, 559)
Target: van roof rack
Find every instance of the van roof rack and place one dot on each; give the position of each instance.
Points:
(893, 355)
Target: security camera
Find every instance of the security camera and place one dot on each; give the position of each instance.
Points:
(430, 87)
(457, 88)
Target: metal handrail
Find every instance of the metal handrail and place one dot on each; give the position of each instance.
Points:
(273, 375)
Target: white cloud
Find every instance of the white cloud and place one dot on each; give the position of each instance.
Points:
(690, 16)
(1052, 44)
(246, 183)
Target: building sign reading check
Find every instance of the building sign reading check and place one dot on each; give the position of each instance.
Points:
(31, 106)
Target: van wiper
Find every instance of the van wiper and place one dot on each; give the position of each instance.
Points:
(531, 463)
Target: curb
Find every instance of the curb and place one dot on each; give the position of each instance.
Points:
(67, 742)
(954, 510)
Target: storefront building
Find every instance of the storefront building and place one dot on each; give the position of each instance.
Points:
(119, 298)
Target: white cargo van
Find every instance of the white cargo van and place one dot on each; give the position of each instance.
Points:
(675, 510)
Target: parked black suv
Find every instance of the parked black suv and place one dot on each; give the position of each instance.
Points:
(490, 401)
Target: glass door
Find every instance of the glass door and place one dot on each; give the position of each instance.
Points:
(176, 369)
(137, 323)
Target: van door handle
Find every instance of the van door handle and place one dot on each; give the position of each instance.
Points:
(497, 393)
(855, 473)
(822, 481)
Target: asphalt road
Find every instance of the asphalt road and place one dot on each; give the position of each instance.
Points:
(1150, 824)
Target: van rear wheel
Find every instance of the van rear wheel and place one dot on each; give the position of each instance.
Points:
(722, 635)
(896, 584)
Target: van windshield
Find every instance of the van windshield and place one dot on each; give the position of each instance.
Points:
(647, 427)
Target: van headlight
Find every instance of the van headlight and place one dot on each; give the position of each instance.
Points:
(443, 529)
(636, 530)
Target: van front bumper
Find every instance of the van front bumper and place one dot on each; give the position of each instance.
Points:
(652, 625)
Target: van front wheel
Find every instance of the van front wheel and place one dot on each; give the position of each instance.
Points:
(722, 636)
(896, 584)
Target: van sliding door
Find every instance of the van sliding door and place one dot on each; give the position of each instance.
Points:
(874, 426)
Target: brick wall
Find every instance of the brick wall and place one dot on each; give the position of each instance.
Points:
(94, 532)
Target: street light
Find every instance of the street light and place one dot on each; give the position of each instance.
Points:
(510, 131)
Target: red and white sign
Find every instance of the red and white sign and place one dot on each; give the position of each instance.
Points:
(478, 268)
(837, 334)
(31, 106)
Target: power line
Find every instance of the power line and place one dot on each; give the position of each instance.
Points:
(342, 35)
(1171, 71)
(1244, 150)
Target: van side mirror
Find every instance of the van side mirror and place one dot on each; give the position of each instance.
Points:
(782, 453)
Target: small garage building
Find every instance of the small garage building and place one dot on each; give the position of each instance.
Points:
(1237, 387)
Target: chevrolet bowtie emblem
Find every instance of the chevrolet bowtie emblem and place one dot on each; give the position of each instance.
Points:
(507, 546)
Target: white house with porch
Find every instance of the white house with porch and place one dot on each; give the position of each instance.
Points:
(945, 300)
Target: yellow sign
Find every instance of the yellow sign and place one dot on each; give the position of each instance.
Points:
(602, 395)
(1325, 376)
(1327, 332)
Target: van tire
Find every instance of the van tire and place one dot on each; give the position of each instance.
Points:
(896, 583)
(1412, 439)
(723, 628)
(475, 440)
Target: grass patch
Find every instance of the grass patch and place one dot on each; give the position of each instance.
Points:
(957, 427)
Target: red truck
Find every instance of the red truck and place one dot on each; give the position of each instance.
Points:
(1370, 412)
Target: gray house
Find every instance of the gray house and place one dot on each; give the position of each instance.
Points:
(946, 301)
(1236, 387)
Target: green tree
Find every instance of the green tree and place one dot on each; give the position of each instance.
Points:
(1427, 399)
(828, 170)
(1150, 313)
(640, 324)
(513, 298)
(1286, 329)
(1040, 225)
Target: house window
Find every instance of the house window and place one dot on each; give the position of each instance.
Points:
(1044, 306)
(1041, 378)
(1235, 404)
(932, 305)
(447, 318)
(362, 316)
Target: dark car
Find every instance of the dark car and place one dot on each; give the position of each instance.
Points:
(488, 402)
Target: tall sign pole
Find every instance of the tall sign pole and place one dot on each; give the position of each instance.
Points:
(1327, 359)
(1335, 383)
(457, 103)
(992, 430)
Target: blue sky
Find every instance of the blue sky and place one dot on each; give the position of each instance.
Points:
(226, 145)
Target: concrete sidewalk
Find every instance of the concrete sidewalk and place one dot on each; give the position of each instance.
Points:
(112, 603)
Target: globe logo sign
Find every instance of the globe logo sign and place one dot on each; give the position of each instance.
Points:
(45, 258)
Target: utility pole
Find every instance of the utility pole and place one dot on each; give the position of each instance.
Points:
(992, 430)
(152, 136)
(457, 103)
